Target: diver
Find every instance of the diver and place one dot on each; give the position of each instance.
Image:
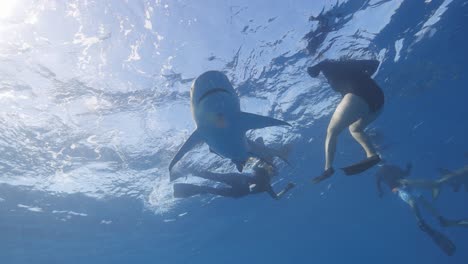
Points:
(392, 176)
(239, 184)
(361, 104)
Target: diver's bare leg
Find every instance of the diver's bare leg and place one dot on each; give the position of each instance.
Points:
(349, 110)
(357, 131)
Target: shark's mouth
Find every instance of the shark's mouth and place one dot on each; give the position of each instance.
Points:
(210, 92)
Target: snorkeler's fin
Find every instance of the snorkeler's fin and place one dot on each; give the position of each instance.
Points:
(440, 239)
(185, 190)
(361, 166)
(443, 242)
(325, 175)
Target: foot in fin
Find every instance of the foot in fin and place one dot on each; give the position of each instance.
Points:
(444, 243)
(362, 165)
(326, 174)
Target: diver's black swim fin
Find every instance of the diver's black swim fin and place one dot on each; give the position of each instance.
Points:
(326, 174)
(361, 166)
(440, 239)
(443, 242)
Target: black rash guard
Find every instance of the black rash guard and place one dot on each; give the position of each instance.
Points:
(354, 76)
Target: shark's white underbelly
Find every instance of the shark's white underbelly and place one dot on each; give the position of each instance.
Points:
(217, 121)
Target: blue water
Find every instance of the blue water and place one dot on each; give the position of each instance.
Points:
(95, 103)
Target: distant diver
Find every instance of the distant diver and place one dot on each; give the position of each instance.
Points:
(361, 104)
(392, 176)
(238, 184)
(220, 122)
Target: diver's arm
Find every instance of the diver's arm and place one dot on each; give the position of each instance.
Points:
(314, 71)
(368, 67)
(275, 195)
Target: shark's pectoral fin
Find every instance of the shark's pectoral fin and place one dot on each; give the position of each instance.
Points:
(252, 121)
(191, 142)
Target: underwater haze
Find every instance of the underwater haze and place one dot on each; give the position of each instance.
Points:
(95, 102)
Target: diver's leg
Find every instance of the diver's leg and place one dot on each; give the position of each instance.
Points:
(349, 110)
(357, 131)
(226, 178)
(184, 190)
(417, 213)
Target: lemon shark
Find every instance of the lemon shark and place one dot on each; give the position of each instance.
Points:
(221, 124)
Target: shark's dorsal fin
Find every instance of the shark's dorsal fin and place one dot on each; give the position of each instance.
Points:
(191, 142)
(249, 121)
